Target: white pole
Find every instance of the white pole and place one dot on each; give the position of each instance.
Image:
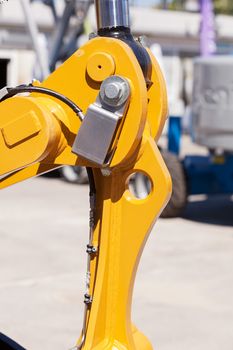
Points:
(39, 48)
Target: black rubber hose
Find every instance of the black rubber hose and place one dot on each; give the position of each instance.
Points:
(91, 181)
(9, 344)
(27, 88)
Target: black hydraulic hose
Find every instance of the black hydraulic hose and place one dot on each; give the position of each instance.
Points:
(77, 110)
(91, 181)
(9, 344)
(30, 88)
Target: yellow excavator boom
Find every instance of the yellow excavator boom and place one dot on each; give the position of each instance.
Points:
(98, 110)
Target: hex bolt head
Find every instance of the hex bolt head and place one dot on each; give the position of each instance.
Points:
(115, 91)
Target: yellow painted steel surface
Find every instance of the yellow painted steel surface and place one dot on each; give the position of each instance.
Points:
(123, 228)
(37, 134)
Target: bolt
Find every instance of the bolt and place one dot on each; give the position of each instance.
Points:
(106, 172)
(92, 35)
(87, 299)
(113, 91)
(91, 249)
(142, 40)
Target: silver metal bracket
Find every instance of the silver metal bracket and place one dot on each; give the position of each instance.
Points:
(97, 136)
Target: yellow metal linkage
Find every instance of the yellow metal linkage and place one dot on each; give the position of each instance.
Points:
(37, 134)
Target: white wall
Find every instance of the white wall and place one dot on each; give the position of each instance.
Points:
(20, 67)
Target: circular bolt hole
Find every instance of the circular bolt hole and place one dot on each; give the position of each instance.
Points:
(100, 67)
(139, 185)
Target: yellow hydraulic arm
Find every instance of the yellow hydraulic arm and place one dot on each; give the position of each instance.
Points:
(99, 110)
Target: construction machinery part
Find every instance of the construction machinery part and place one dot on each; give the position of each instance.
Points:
(37, 135)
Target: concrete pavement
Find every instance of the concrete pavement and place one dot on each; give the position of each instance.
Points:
(184, 291)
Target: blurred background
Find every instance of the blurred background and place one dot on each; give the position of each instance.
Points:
(183, 296)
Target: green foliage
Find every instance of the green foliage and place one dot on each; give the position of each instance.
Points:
(221, 6)
(176, 4)
(224, 6)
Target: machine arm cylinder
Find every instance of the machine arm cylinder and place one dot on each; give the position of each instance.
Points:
(112, 14)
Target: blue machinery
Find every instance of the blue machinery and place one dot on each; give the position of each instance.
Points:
(211, 174)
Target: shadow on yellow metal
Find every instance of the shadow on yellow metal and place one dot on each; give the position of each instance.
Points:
(37, 134)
